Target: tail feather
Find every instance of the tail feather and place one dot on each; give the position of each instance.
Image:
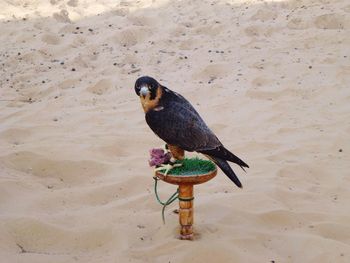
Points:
(224, 154)
(226, 168)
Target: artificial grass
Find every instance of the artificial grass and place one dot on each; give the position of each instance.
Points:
(192, 166)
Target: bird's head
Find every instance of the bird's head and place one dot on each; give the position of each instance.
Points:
(149, 91)
(146, 86)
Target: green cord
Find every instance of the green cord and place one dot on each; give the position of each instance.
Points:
(168, 202)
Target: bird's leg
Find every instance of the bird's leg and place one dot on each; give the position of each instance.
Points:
(165, 148)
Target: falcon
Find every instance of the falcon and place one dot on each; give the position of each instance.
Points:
(175, 121)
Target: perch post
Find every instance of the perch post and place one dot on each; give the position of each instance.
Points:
(186, 211)
(185, 183)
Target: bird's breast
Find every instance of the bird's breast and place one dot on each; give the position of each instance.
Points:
(150, 104)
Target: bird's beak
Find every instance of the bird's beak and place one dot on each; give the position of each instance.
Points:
(144, 91)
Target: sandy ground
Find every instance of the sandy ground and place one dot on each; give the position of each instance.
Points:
(271, 78)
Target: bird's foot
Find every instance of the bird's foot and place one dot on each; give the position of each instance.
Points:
(172, 162)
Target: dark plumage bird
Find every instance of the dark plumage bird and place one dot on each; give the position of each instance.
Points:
(175, 121)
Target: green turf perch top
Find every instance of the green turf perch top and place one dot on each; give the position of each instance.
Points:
(193, 166)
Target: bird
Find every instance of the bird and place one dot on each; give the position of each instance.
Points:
(173, 119)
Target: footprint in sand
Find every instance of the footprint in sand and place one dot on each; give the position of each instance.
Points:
(121, 11)
(260, 81)
(50, 39)
(16, 135)
(62, 16)
(258, 94)
(101, 87)
(256, 31)
(39, 236)
(209, 30)
(44, 168)
(264, 15)
(213, 71)
(347, 8)
(67, 29)
(332, 21)
(68, 84)
(73, 3)
(262, 90)
(330, 230)
(253, 31)
(142, 20)
(130, 37)
(187, 44)
(298, 24)
(178, 31)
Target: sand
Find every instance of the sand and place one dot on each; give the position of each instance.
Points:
(271, 78)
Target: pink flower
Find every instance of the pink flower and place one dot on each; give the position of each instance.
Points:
(158, 157)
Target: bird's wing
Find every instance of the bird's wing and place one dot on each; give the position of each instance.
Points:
(179, 124)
